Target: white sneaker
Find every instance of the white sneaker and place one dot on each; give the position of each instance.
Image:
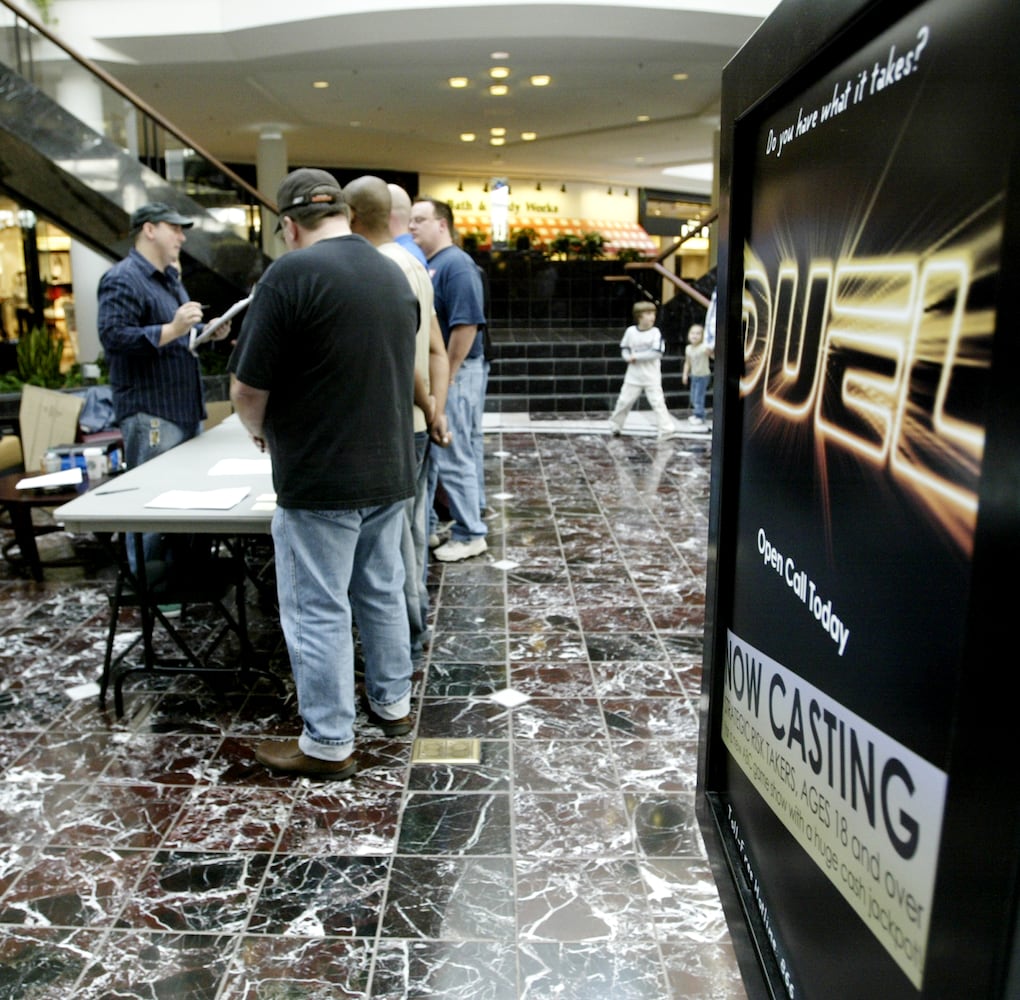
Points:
(454, 551)
(696, 421)
(434, 541)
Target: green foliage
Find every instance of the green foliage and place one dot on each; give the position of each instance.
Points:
(593, 244)
(628, 254)
(45, 8)
(39, 356)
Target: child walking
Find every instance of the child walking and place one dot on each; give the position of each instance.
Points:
(642, 348)
(698, 371)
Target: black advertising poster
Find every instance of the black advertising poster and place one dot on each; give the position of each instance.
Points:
(867, 319)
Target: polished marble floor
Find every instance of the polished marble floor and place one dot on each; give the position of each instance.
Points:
(151, 856)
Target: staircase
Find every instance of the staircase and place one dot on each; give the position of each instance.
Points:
(558, 371)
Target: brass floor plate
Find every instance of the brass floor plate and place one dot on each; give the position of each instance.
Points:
(446, 751)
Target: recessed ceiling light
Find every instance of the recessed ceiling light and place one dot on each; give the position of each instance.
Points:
(644, 118)
(499, 72)
(321, 84)
(497, 130)
(457, 82)
(692, 171)
(529, 136)
(499, 55)
(541, 80)
(497, 140)
(467, 137)
(499, 90)
(680, 76)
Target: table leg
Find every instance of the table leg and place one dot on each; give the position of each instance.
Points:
(24, 535)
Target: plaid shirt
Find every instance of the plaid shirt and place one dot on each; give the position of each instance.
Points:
(135, 300)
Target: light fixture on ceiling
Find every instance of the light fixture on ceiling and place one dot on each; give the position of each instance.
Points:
(541, 80)
(499, 90)
(609, 190)
(499, 72)
(626, 192)
(529, 136)
(497, 130)
(644, 118)
(679, 77)
(563, 188)
(321, 84)
(485, 187)
(538, 185)
(458, 82)
(499, 56)
(460, 185)
(497, 140)
(467, 137)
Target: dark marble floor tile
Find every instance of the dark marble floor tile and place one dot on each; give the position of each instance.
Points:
(461, 718)
(572, 825)
(122, 816)
(129, 964)
(625, 970)
(651, 718)
(464, 680)
(636, 679)
(491, 774)
(623, 646)
(73, 887)
(342, 818)
(564, 765)
(196, 891)
(665, 826)
(470, 647)
(552, 680)
(453, 970)
(231, 819)
(606, 618)
(450, 899)
(665, 765)
(309, 968)
(44, 963)
(558, 718)
(161, 758)
(321, 896)
(581, 900)
(547, 646)
(455, 824)
(465, 618)
(34, 811)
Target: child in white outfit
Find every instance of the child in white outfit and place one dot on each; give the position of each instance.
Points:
(642, 348)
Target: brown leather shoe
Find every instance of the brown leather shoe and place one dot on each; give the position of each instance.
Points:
(286, 755)
(391, 727)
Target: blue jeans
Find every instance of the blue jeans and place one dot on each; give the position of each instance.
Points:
(145, 437)
(456, 465)
(699, 390)
(414, 548)
(334, 567)
(478, 436)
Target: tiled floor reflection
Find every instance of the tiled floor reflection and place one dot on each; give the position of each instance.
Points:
(153, 857)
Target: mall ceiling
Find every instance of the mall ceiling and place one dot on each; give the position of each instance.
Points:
(613, 112)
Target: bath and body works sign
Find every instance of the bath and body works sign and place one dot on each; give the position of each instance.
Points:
(872, 204)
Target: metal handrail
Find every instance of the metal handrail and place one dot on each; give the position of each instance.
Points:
(132, 98)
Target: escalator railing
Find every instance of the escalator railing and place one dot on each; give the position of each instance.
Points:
(124, 119)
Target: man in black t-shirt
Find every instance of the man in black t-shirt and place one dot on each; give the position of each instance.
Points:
(323, 378)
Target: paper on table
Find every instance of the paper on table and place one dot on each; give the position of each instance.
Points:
(242, 467)
(201, 499)
(66, 477)
(213, 325)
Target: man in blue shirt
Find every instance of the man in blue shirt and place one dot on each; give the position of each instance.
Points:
(145, 317)
(460, 308)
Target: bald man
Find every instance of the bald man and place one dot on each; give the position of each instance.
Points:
(400, 216)
(370, 201)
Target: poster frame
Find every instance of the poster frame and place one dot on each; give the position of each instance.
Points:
(974, 923)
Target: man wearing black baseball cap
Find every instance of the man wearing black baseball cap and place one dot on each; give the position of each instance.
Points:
(145, 316)
(323, 378)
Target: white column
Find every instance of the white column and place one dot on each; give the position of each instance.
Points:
(270, 170)
(87, 267)
(80, 93)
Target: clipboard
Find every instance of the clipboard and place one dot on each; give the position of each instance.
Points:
(211, 327)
